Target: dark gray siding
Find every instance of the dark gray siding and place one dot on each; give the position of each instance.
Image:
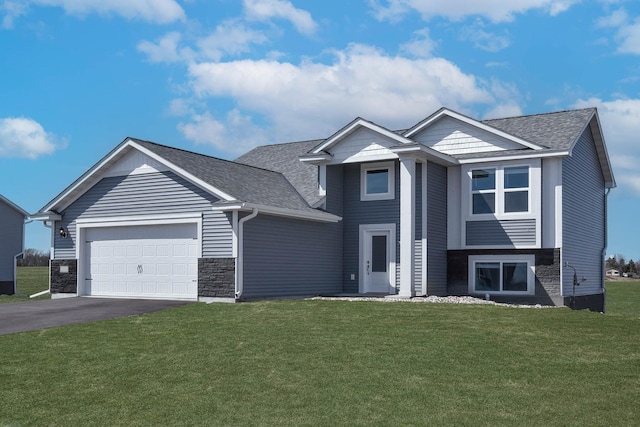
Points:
(146, 194)
(284, 257)
(11, 235)
(357, 212)
(520, 232)
(583, 217)
(436, 229)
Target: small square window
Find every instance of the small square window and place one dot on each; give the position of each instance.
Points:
(483, 179)
(377, 181)
(516, 201)
(484, 203)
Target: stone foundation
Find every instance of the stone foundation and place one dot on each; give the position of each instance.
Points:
(6, 287)
(216, 277)
(64, 276)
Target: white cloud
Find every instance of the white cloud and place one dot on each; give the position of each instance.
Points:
(156, 11)
(24, 137)
(264, 10)
(495, 10)
(483, 39)
(617, 18)
(165, 50)
(236, 135)
(311, 99)
(621, 126)
(11, 9)
(230, 38)
(420, 46)
(629, 37)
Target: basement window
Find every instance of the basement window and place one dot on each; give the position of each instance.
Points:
(502, 274)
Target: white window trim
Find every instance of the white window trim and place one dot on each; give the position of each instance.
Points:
(531, 275)
(364, 168)
(533, 189)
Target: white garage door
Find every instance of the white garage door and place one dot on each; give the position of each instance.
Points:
(152, 261)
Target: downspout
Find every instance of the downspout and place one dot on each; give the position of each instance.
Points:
(48, 291)
(240, 258)
(604, 249)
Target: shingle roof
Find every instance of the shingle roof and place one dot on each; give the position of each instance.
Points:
(283, 158)
(245, 183)
(556, 131)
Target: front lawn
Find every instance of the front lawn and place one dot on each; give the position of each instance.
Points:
(327, 363)
(623, 298)
(30, 280)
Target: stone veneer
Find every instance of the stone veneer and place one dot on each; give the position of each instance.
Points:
(547, 267)
(217, 277)
(64, 283)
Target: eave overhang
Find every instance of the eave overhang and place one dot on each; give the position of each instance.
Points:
(424, 152)
(318, 216)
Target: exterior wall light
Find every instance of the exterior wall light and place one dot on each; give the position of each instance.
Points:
(63, 233)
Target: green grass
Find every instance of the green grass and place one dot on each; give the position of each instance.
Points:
(30, 280)
(327, 363)
(623, 298)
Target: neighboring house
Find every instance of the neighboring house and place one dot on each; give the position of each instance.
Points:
(451, 206)
(11, 243)
(613, 273)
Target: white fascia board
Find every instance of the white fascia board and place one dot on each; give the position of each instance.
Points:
(316, 159)
(514, 157)
(46, 217)
(419, 150)
(189, 177)
(271, 210)
(601, 149)
(472, 122)
(355, 125)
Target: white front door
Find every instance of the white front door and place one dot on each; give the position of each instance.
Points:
(377, 258)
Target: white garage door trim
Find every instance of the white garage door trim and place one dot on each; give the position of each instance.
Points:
(83, 226)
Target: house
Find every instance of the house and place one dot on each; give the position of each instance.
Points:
(451, 206)
(11, 243)
(613, 273)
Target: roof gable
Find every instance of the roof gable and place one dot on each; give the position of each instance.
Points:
(359, 125)
(454, 137)
(228, 181)
(13, 206)
(500, 139)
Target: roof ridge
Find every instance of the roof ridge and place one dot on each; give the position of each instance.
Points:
(202, 155)
(539, 114)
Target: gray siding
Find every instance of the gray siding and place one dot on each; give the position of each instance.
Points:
(11, 235)
(521, 232)
(436, 229)
(284, 257)
(357, 212)
(583, 217)
(146, 194)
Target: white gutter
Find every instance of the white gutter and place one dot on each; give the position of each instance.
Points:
(239, 258)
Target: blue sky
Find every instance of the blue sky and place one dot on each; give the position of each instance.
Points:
(222, 76)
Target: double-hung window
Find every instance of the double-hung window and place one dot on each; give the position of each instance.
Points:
(507, 274)
(377, 181)
(500, 190)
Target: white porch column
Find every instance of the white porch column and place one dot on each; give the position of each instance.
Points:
(407, 225)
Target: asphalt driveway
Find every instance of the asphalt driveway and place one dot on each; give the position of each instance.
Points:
(32, 315)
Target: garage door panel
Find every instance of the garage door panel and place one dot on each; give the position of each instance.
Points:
(129, 262)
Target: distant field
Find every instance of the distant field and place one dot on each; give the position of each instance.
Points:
(31, 280)
(623, 298)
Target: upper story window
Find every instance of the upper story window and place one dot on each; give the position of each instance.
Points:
(500, 190)
(377, 181)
